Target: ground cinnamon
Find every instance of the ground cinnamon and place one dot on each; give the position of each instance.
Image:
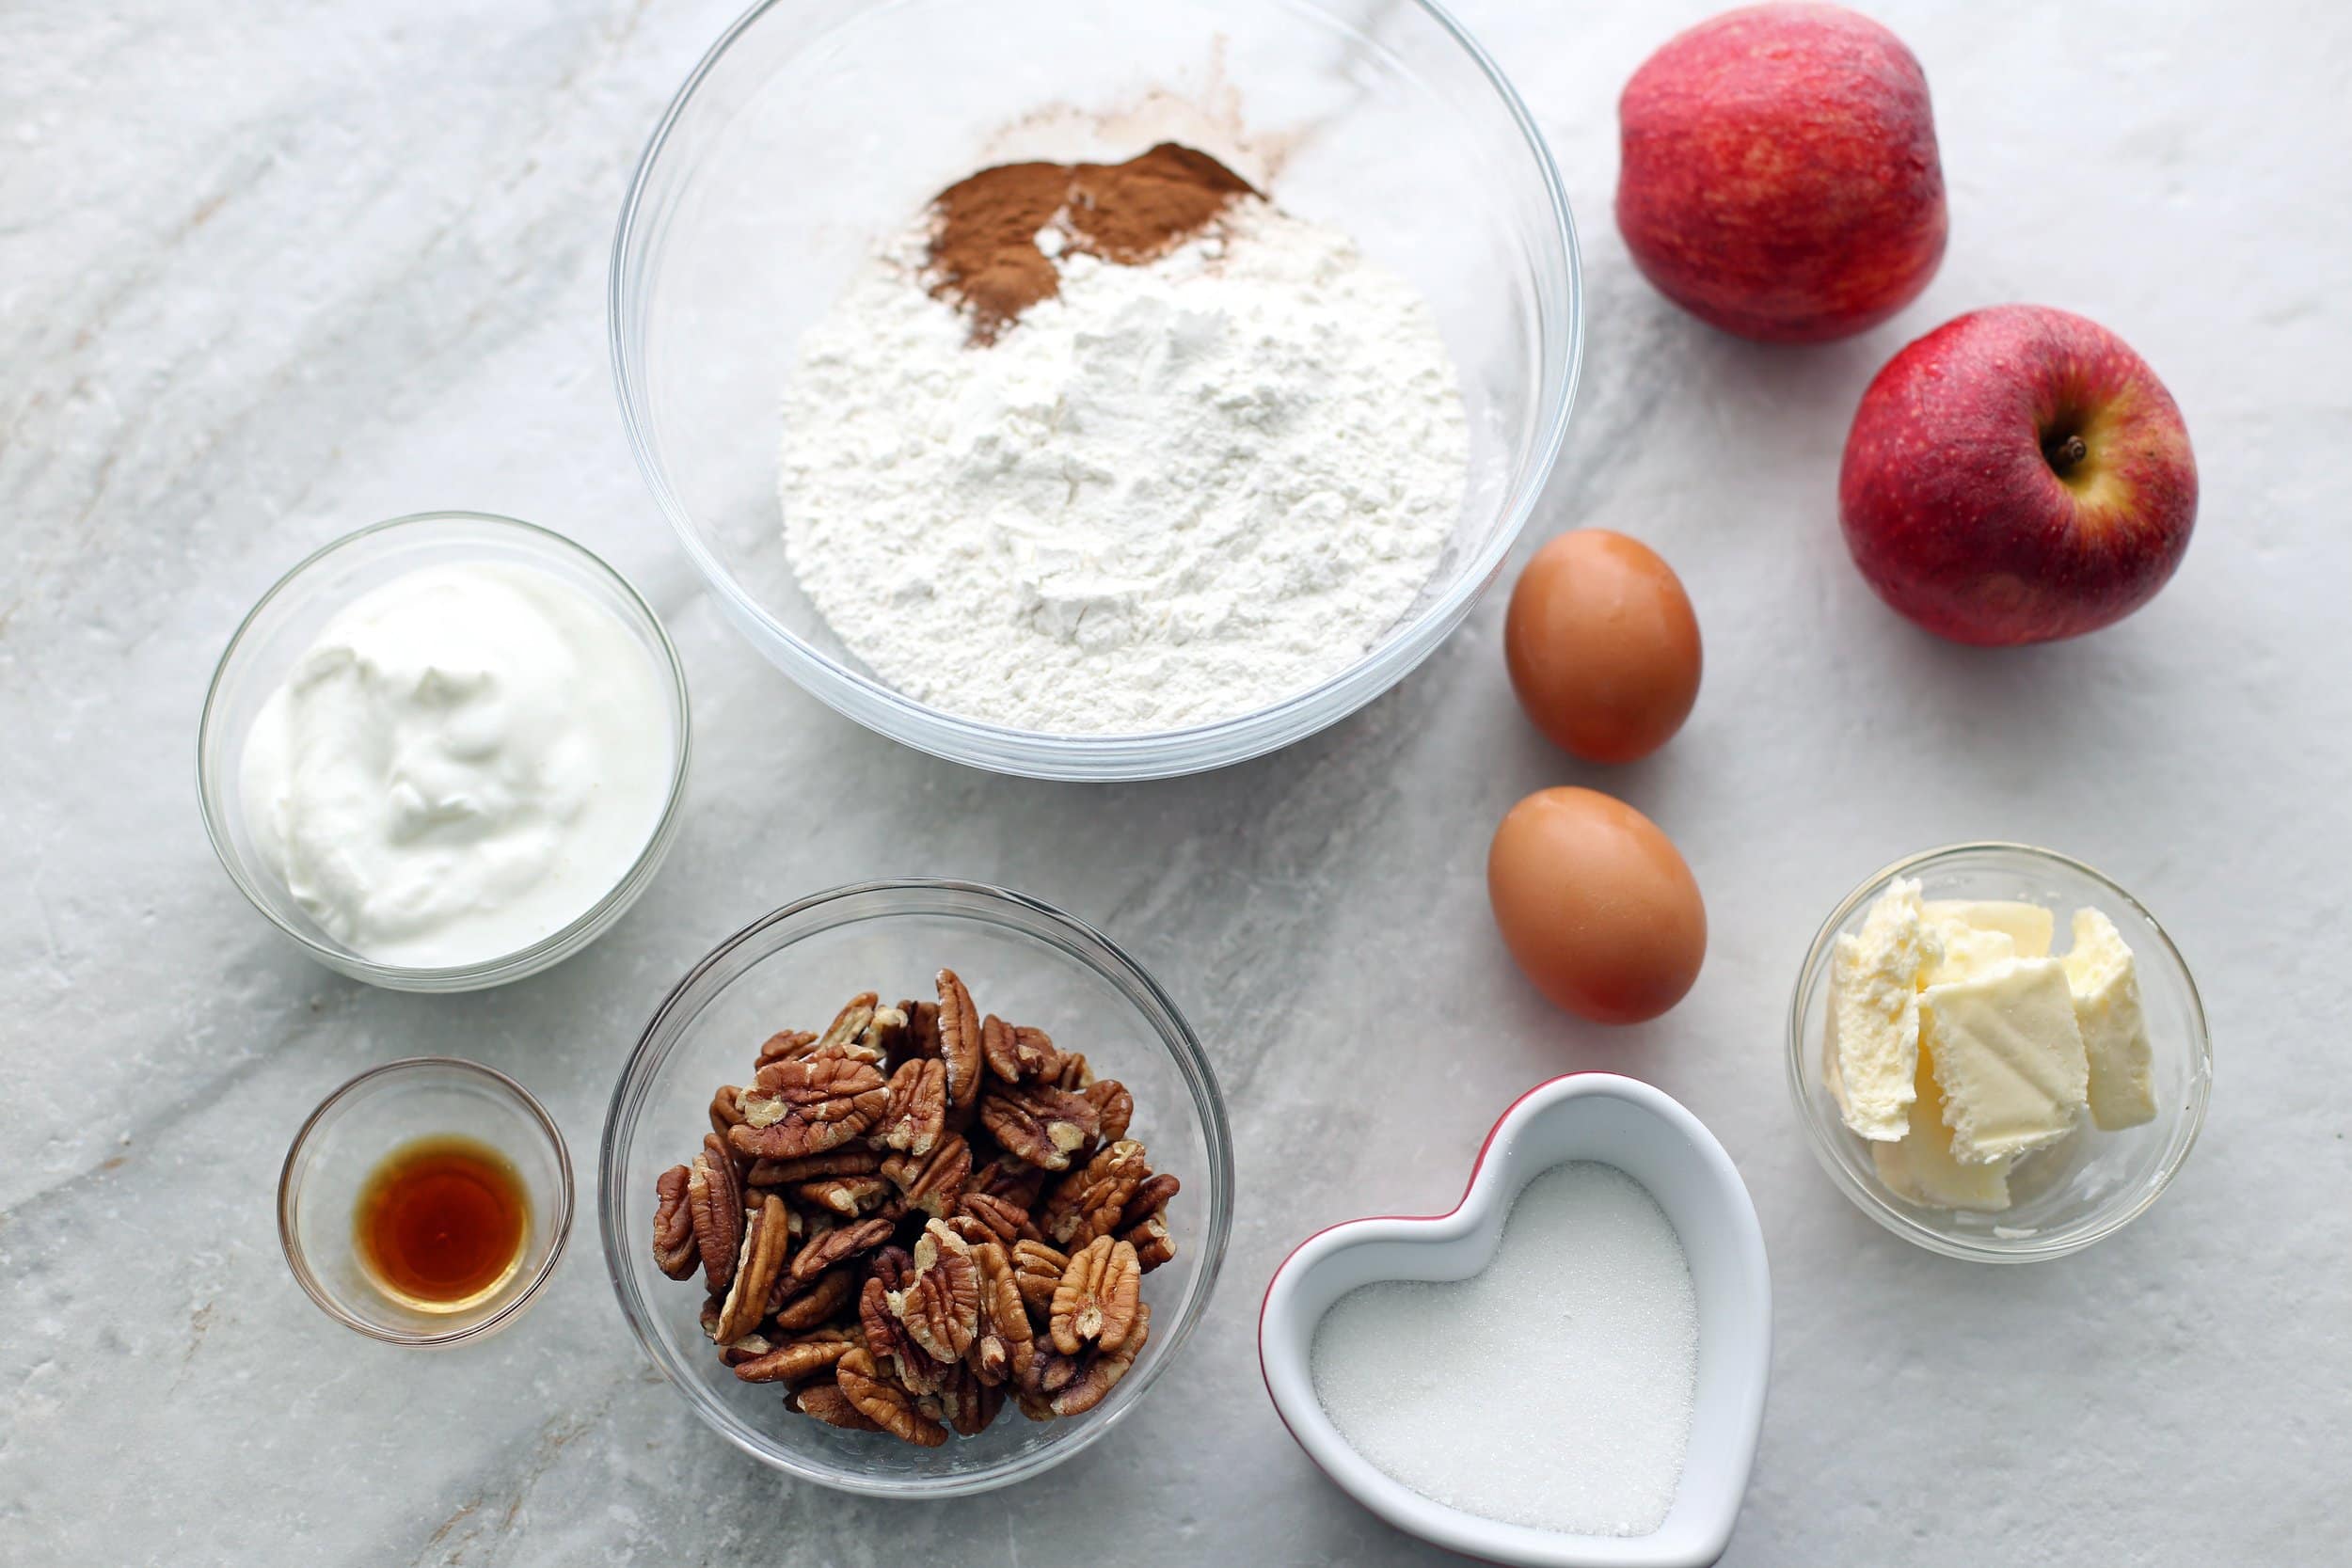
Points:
(984, 254)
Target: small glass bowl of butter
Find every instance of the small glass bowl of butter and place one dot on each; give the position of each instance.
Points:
(2007, 1152)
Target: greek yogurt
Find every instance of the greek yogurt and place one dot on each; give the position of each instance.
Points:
(466, 759)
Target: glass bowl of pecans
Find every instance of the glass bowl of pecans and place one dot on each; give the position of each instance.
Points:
(916, 1188)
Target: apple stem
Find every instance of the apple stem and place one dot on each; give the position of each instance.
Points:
(2063, 453)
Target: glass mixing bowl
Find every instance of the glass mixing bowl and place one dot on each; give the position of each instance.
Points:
(2094, 1183)
(815, 127)
(1026, 962)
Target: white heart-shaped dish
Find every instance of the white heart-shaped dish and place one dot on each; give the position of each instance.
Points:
(1649, 1135)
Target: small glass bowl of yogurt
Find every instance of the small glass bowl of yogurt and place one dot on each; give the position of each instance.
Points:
(2079, 1191)
(445, 752)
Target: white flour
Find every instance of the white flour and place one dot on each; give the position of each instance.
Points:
(1173, 494)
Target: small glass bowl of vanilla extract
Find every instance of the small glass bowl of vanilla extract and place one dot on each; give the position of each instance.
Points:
(427, 1201)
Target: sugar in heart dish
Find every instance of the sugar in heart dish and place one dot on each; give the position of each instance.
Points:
(1619, 1227)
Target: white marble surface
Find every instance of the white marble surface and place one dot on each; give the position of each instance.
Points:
(272, 270)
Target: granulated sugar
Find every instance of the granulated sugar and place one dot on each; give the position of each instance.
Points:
(1553, 1389)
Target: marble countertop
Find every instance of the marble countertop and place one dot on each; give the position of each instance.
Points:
(271, 271)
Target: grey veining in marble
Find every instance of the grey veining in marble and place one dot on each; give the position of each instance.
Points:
(272, 270)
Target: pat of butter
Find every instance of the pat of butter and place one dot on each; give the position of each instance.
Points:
(1968, 951)
(2009, 1058)
(1870, 1051)
(2106, 984)
(2028, 926)
(1921, 1167)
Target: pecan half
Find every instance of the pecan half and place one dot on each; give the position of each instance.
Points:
(809, 1167)
(918, 1037)
(832, 1293)
(808, 1105)
(1038, 1123)
(797, 1360)
(725, 1111)
(885, 1036)
(749, 1348)
(918, 1106)
(1038, 1270)
(674, 1250)
(1148, 1198)
(998, 1220)
(849, 1025)
(1088, 1203)
(1002, 1350)
(766, 1237)
(714, 1196)
(886, 1337)
(883, 1402)
(841, 1244)
(967, 1402)
(846, 1196)
(1016, 1182)
(1113, 1106)
(959, 1042)
(1096, 1300)
(1143, 1224)
(783, 1046)
(933, 1182)
(1154, 1242)
(825, 1402)
(1018, 1054)
(939, 1301)
(1075, 1074)
(1099, 1371)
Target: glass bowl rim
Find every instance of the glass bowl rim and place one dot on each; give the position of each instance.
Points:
(1819, 1132)
(288, 1242)
(556, 944)
(1132, 755)
(634, 1085)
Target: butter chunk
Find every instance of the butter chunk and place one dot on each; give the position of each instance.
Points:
(2030, 927)
(1968, 951)
(2009, 1058)
(1870, 1051)
(2106, 984)
(1921, 1167)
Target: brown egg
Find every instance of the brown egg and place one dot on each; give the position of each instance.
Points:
(1597, 904)
(1604, 649)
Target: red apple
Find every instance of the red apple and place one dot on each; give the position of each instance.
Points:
(1779, 178)
(2017, 475)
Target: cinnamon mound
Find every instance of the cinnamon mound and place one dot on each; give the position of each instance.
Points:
(984, 256)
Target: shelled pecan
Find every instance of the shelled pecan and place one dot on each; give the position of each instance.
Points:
(918, 1106)
(932, 1182)
(959, 1042)
(1038, 1123)
(674, 1250)
(1088, 1203)
(714, 1196)
(808, 1105)
(1038, 1270)
(884, 1403)
(766, 1237)
(797, 1360)
(1096, 1302)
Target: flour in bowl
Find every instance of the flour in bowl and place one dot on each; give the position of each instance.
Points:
(1171, 491)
